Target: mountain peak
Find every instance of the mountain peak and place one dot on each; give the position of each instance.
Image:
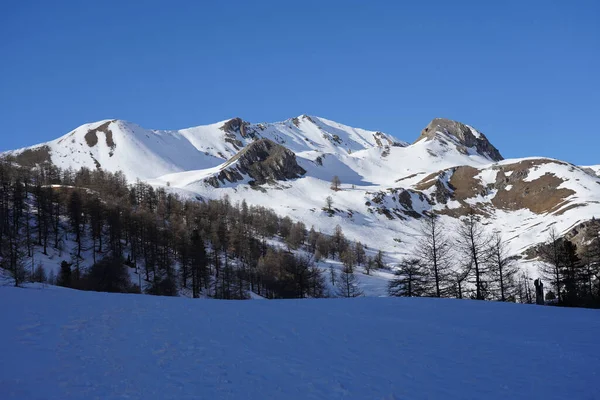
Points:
(463, 136)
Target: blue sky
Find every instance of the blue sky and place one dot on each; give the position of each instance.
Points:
(526, 73)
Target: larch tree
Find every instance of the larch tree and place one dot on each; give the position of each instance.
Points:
(502, 266)
(410, 279)
(336, 183)
(433, 248)
(472, 244)
(359, 253)
(347, 285)
(329, 204)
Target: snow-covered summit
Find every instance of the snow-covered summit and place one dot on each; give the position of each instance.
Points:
(115, 145)
(387, 184)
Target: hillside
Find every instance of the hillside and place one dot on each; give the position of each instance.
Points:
(140, 347)
(387, 184)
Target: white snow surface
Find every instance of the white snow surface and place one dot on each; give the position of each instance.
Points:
(63, 344)
(367, 162)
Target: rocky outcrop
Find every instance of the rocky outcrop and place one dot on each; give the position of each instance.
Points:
(91, 137)
(463, 136)
(397, 203)
(511, 191)
(263, 161)
(236, 128)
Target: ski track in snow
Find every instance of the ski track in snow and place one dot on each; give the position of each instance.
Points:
(63, 344)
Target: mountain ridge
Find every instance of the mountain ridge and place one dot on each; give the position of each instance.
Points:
(387, 184)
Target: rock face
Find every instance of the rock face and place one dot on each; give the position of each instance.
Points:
(514, 187)
(263, 161)
(464, 136)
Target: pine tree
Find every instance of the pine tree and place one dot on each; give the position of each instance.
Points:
(198, 262)
(572, 270)
(64, 275)
(76, 218)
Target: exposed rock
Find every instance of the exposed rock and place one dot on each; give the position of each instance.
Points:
(380, 137)
(91, 137)
(511, 191)
(396, 203)
(238, 126)
(263, 161)
(591, 172)
(235, 127)
(462, 135)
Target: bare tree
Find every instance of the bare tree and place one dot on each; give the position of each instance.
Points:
(410, 279)
(328, 204)
(347, 285)
(459, 275)
(502, 266)
(359, 252)
(369, 265)
(433, 249)
(336, 183)
(472, 243)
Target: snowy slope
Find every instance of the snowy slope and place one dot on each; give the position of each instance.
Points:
(116, 145)
(361, 219)
(386, 183)
(62, 344)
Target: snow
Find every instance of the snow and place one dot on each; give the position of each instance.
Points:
(365, 161)
(474, 131)
(64, 344)
(594, 168)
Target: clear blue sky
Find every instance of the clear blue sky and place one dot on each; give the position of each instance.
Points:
(526, 73)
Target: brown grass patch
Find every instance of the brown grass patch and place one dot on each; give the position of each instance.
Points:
(464, 184)
(540, 196)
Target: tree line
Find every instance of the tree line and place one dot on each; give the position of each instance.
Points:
(192, 246)
(474, 263)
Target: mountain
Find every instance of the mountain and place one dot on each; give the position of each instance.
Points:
(116, 145)
(387, 184)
